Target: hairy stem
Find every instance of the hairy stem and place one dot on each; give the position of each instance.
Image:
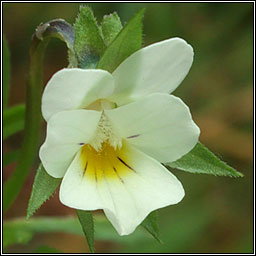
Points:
(58, 29)
(32, 123)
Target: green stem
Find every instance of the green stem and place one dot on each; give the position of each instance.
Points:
(58, 29)
(32, 123)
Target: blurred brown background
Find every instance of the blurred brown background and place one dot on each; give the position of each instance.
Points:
(216, 215)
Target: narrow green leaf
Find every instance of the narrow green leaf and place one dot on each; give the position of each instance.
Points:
(202, 160)
(88, 44)
(111, 25)
(10, 157)
(43, 187)
(13, 120)
(128, 41)
(87, 223)
(6, 72)
(152, 226)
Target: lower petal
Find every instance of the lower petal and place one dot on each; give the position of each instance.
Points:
(127, 185)
(76, 190)
(149, 186)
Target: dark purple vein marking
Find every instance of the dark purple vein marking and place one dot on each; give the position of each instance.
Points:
(95, 173)
(123, 162)
(85, 168)
(118, 175)
(133, 136)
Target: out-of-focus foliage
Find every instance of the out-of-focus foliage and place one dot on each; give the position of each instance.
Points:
(216, 215)
(10, 157)
(6, 72)
(13, 120)
(20, 231)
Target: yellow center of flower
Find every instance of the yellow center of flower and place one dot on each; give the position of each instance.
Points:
(108, 162)
(101, 104)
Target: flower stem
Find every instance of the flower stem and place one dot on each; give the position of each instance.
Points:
(32, 123)
(55, 28)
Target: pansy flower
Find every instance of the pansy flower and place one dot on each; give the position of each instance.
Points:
(108, 134)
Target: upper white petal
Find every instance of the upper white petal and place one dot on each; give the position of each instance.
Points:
(65, 132)
(75, 88)
(160, 67)
(159, 124)
(126, 198)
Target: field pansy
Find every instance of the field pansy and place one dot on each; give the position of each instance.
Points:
(107, 134)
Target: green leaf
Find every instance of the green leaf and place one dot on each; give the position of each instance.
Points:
(152, 226)
(43, 187)
(88, 44)
(13, 120)
(87, 223)
(202, 160)
(10, 157)
(128, 41)
(111, 26)
(6, 72)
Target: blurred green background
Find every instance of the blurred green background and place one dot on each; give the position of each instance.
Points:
(216, 215)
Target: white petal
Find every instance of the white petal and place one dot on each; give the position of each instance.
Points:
(127, 194)
(148, 187)
(160, 125)
(66, 131)
(76, 190)
(160, 67)
(75, 88)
